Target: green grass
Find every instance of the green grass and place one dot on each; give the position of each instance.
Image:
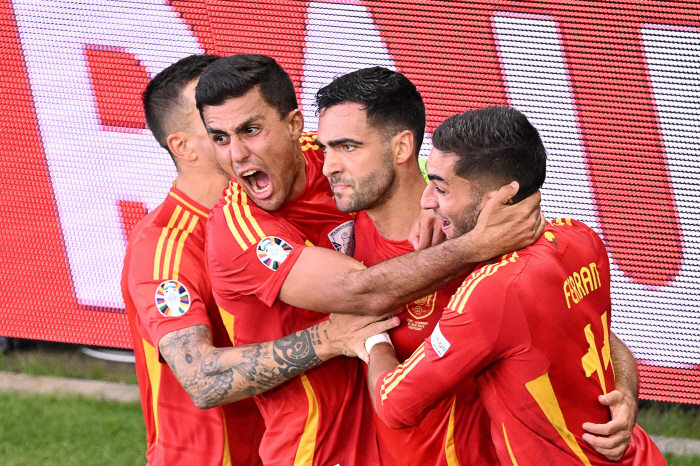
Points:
(63, 360)
(670, 419)
(65, 431)
(682, 460)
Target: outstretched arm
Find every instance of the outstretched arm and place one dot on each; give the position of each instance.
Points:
(344, 285)
(612, 439)
(216, 376)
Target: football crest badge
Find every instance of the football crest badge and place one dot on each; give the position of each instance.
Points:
(172, 298)
(343, 238)
(272, 251)
(423, 307)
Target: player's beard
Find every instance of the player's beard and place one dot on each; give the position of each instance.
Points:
(468, 220)
(374, 190)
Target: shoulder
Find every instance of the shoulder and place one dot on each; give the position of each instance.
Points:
(489, 281)
(236, 218)
(312, 152)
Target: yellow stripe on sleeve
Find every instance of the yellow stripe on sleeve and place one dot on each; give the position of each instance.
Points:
(171, 243)
(249, 215)
(153, 368)
(232, 225)
(510, 450)
(307, 444)
(450, 450)
(190, 206)
(181, 245)
(393, 374)
(239, 217)
(161, 240)
(542, 391)
(405, 370)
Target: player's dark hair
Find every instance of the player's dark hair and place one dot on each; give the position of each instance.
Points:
(495, 145)
(391, 101)
(233, 77)
(164, 93)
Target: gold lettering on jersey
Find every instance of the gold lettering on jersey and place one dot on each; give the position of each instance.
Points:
(416, 324)
(579, 284)
(423, 307)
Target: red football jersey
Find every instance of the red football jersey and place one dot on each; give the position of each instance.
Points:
(533, 328)
(166, 288)
(323, 417)
(447, 435)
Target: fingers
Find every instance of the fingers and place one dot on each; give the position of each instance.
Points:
(379, 327)
(414, 235)
(609, 428)
(611, 398)
(362, 353)
(611, 447)
(506, 193)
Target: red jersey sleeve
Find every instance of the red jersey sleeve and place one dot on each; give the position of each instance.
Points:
(167, 298)
(472, 333)
(250, 251)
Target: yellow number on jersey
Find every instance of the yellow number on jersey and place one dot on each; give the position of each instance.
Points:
(591, 361)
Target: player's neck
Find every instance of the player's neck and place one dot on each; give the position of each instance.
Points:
(299, 183)
(393, 218)
(202, 186)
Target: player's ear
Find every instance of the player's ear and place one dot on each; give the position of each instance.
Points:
(403, 147)
(180, 147)
(295, 123)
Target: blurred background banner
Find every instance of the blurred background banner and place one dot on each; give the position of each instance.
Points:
(614, 90)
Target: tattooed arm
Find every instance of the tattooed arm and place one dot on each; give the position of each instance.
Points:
(216, 376)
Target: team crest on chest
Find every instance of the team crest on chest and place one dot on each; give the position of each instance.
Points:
(172, 298)
(272, 251)
(423, 307)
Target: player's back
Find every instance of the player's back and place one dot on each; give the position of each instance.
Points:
(554, 348)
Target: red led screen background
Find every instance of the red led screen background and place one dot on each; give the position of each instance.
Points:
(614, 90)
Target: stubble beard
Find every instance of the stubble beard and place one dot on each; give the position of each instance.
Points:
(377, 188)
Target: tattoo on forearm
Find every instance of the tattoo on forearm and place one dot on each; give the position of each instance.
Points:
(257, 367)
(295, 353)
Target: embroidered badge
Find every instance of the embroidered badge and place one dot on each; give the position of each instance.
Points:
(439, 342)
(343, 238)
(272, 251)
(172, 298)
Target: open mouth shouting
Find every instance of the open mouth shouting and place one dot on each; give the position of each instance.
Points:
(259, 183)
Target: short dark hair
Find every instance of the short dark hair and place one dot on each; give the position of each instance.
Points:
(164, 93)
(390, 99)
(234, 76)
(495, 145)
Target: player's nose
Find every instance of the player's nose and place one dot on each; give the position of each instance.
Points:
(331, 163)
(427, 200)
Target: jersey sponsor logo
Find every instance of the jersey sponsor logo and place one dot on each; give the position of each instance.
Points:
(172, 298)
(343, 238)
(439, 342)
(272, 251)
(579, 284)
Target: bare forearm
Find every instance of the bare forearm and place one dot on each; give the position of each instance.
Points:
(626, 377)
(381, 359)
(216, 376)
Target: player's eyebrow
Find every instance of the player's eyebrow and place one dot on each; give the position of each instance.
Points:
(435, 178)
(340, 142)
(247, 123)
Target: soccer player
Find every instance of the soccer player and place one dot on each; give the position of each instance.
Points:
(271, 280)
(173, 316)
(532, 326)
(371, 127)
